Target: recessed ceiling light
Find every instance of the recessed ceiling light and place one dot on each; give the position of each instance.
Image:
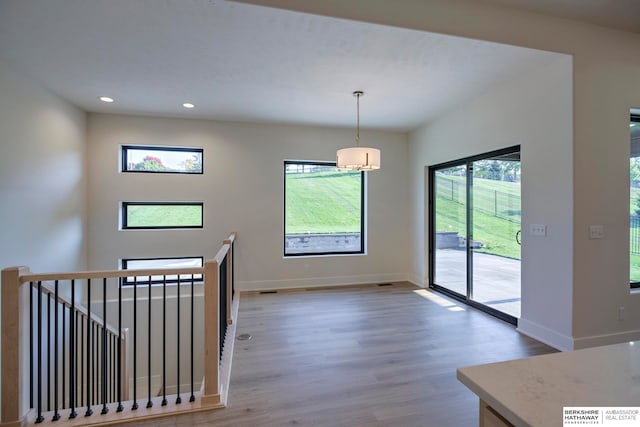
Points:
(188, 105)
(105, 99)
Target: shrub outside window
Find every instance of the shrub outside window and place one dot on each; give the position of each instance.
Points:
(163, 263)
(162, 215)
(159, 159)
(324, 209)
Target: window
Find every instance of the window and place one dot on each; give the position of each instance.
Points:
(161, 159)
(634, 205)
(324, 209)
(151, 263)
(152, 215)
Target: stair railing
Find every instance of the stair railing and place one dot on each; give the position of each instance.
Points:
(73, 345)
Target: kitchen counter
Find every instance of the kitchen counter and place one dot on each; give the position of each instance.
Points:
(532, 391)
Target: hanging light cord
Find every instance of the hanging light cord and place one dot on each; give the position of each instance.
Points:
(358, 119)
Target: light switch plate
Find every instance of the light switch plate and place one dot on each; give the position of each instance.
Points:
(596, 231)
(537, 230)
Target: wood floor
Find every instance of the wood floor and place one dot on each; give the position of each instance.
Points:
(358, 356)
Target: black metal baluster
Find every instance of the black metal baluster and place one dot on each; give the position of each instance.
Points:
(39, 418)
(192, 397)
(48, 352)
(73, 367)
(31, 379)
(104, 347)
(94, 354)
(89, 411)
(64, 373)
(56, 415)
(112, 392)
(164, 340)
(135, 341)
(120, 385)
(178, 398)
(233, 271)
(82, 360)
(149, 402)
(95, 363)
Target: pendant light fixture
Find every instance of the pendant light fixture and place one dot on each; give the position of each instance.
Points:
(358, 158)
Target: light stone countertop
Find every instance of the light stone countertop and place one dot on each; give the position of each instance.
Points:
(532, 391)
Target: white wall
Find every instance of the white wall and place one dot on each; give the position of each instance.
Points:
(42, 182)
(533, 111)
(606, 83)
(242, 190)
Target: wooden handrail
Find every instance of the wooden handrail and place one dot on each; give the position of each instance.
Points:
(221, 254)
(231, 238)
(230, 276)
(16, 320)
(41, 277)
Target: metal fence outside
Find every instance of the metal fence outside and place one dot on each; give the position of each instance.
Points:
(634, 234)
(498, 203)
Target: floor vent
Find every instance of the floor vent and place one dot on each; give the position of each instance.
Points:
(385, 284)
(268, 292)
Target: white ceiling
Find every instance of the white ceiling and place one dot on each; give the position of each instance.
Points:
(242, 62)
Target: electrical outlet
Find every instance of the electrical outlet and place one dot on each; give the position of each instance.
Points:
(621, 313)
(537, 230)
(596, 231)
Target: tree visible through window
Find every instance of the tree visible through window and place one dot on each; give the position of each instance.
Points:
(160, 159)
(324, 209)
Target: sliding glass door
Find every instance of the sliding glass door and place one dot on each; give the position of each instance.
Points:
(475, 231)
(450, 218)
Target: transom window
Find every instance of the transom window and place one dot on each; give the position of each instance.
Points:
(159, 159)
(324, 209)
(163, 263)
(162, 215)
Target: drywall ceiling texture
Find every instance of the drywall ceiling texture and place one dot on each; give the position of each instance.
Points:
(241, 62)
(242, 190)
(606, 83)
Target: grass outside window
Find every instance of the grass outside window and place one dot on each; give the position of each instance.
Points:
(162, 215)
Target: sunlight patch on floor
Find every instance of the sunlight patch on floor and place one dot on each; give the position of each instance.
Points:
(442, 302)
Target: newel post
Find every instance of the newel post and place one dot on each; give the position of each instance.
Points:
(211, 394)
(15, 301)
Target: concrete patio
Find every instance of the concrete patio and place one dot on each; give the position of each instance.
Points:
(496, 279)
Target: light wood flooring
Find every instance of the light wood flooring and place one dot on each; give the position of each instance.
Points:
(358, 356)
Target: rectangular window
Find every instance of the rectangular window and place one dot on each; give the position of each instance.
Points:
(161, 159)
(323, 209)
(164, 263)
(150, 215)
(634, 205)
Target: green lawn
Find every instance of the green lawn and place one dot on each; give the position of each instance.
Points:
(322, 202)
(164, 216)
(497, 234)
(634, 263)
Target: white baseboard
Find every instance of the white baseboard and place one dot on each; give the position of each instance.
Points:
(417, 280)
(314, 282)
(543, 334)
(598, 340)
